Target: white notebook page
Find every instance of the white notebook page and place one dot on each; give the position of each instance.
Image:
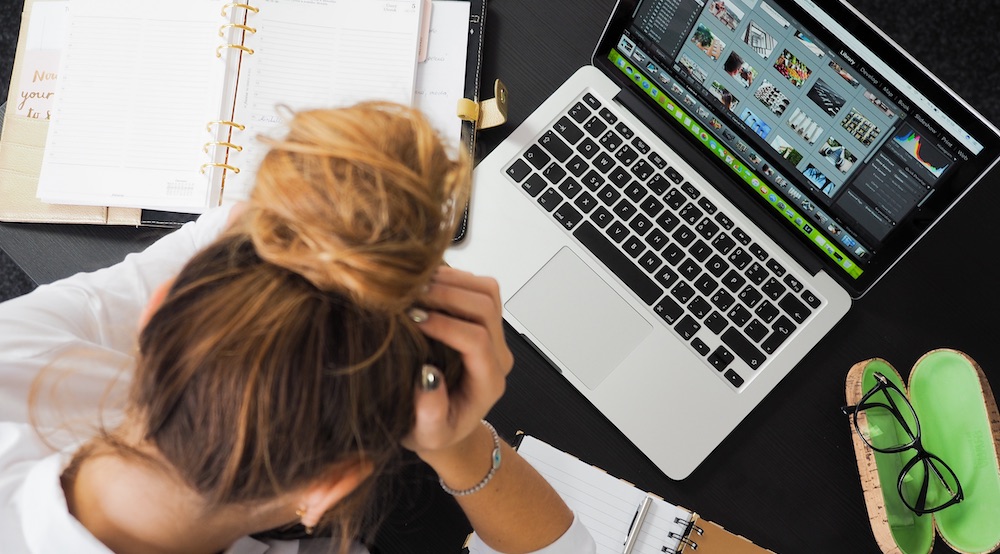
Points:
(441, 77)
(138, 81)
(318, 54)
(605, 505)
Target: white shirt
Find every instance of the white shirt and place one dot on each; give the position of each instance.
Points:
(80, 334)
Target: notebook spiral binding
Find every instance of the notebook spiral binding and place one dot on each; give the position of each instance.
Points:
(212, 146)
(684, 536)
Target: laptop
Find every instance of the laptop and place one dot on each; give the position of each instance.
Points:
(684, 219)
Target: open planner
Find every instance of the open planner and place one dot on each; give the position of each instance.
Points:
(157, 108)
(614, 513)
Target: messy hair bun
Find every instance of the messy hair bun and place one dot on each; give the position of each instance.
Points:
(361, 201)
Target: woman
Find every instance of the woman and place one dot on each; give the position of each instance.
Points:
(264, 367)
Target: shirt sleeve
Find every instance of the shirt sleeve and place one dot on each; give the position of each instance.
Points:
(79, 334)
(576, 540)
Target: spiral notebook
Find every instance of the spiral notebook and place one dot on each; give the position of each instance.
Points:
(174, 132)
(618, 513)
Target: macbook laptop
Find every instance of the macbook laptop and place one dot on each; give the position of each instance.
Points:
(686, 217)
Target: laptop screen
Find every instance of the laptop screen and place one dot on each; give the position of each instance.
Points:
(856, 153)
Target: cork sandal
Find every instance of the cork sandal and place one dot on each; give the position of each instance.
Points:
(960, 423)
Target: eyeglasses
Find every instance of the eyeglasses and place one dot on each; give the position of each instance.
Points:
(926, 484)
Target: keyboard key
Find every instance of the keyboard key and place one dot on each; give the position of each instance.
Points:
(700, 251)
(587, 148)
(792, 283)
(592, 101)
(722, 300)
(691, 213)
(650, 261)
(758, 252)
(658, 184)
(618, 263)
(585, 202)
(739, 258)
(721, 358)
(633, 247)
(549, 199)
(536, 156)
(625, 209)
(641, 145)
(554, 173)
(705, 284)
(687, 327)
(567, 216)
(668, 310)
(674, 175)
(651, 206)
(603, 162)
(781, 330)
(756, 330)
(666, 276)
(624, 130)
(757, 273)
(617, 232)
(690, 190)
(700, 346)
(773, 289)
(609, 195)
(611, 141)
(608, 116)
(593, 180)
(682, 292)
(723, 243)
(689, 269)
(767, 311)
(667, 221)
(716, 323)
(636, 192)
(602, 217)
(707, 205)
(683, 235)
(699, 307)
(519, 170)
(724, 221)
(595, 126)
(620, 177)
(739, 315)
(674, 199)
(776, 267)
(811, 299)
(750, 296)
(734, 378)
(570, 188)
(640, 225)
(716, 265)
(657, 160)
(706, 228)
(791, 306)
(673, 254)
(568, 130)
(743, 348)
(577, 166)
(642, 170)
(579, 112)
(555, 146)
(656, 239)
(627, 155)
(534, 185)
(741, 236)
(733, 281)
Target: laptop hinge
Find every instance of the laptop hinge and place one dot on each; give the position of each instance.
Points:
(735, 191)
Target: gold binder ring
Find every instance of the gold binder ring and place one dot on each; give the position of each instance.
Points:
(232, 124)
(247, 7)
(224, 28)
(232, 168)
(236, 147)
(218, 51)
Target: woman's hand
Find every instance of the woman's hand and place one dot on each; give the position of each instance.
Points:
(465, 313)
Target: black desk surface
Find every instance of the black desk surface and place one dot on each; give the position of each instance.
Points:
(786, 478)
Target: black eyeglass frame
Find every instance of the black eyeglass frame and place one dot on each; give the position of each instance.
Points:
(922, 455)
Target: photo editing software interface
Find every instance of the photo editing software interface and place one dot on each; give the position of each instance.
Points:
(815, 129)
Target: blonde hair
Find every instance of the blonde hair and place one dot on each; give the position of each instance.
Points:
(284, 348)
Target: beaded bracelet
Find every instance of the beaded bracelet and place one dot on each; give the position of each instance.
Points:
(495, 465)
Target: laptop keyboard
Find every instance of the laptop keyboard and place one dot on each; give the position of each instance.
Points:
(704, 277)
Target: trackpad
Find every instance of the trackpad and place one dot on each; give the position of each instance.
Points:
(578, 317)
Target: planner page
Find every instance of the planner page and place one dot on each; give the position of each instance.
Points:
(138, 80)
(318, 54)
(607, 506)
